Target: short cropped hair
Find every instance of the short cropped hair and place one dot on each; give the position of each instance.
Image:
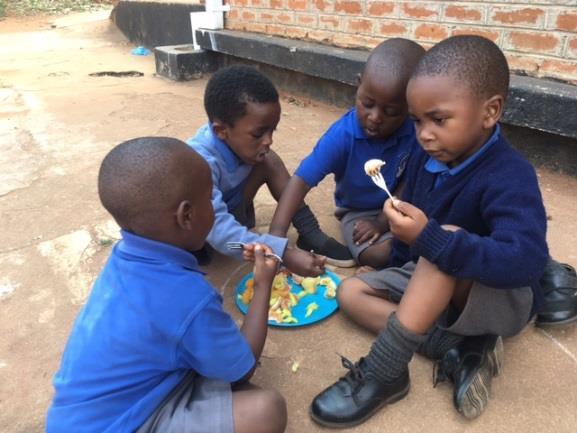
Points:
(140, 176)
(395, 58)
(231, 88)
(476, 62)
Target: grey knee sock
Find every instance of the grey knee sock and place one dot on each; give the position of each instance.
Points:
(307, 225)
(392, 351)
(438, 342)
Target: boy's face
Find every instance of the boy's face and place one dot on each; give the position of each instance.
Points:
(451, 123)
(381, 105)
(250, 138)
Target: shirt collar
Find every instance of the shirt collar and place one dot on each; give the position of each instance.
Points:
(231, 161)
(149, 249)
(405, 129)
(436, 167)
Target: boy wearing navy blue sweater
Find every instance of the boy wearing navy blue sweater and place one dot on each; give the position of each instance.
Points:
(153, 351)
(469, 243)
(377, 128)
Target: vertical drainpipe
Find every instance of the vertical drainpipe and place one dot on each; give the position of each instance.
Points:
(212, 18)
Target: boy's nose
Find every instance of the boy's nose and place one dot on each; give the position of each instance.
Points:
(424, 134)
(375, 116)
(267, 139)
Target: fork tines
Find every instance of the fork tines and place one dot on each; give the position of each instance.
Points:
(235, 245)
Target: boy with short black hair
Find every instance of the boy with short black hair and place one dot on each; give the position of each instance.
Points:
(376, 128)
(153, 351)
(469, 242)
(243, 111)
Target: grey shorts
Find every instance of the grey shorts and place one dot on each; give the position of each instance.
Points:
(348, 218)
(196, 405)
(488, 310)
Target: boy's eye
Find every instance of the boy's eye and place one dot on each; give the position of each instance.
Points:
(439, 120)
(368, 104)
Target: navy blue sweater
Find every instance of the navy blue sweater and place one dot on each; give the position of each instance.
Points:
(497, 201)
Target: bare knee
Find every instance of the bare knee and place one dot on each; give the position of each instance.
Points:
(272, 410)
(376, 256)
(349, 292)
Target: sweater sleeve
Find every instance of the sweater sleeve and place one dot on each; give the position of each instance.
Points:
(514, 252)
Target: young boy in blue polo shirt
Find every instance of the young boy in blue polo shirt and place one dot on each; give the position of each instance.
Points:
(243, 111)
(378, 127)
(469, 244)
(153, 351)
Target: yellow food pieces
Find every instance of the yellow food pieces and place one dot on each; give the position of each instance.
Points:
(311, 308)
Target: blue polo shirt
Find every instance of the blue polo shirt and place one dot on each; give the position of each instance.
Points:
(343, 151)
(151, 318)
(443, 171)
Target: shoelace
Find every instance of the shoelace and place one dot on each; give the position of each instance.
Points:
(355, 376)
(443, 368)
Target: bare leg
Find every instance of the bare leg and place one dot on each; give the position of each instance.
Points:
(377, 256)
(428, 294)
(257, 410)
(364, 305)
(271, 172)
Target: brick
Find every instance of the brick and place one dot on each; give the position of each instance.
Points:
(354, 41)
(309, 20)
(380, 9)
(524, 63)
(359, 25)
(567, 21)
(299, 5)
(563, 69)
(321, 36)
(238, 3)
(296, 33)
(463, 13)
(232, 15)
(329, 22)
(534, 42)
(285, 18)
(348, 7)
(248, 16)
(266, 17)
(431, 32)
(572, 47)
(277, 4)
(518, 17)
(479, 31)
(393, 28)
(421, 11)
(323, 5)
(256, 3)
(273, 29)
(255, 27)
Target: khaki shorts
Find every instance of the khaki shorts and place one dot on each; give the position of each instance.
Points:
(488, 310)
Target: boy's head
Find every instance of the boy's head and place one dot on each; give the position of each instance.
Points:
(456, 96)
(243, 107)
(380, 101)
(158, 188)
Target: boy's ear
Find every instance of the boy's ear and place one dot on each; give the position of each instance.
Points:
(220, 129)
(493, 111)
(185, 214)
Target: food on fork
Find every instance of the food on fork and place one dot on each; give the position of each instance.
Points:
(373, 166)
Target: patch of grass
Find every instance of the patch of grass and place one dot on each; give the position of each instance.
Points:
(32, 7)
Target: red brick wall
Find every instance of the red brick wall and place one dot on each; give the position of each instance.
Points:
(539, 37)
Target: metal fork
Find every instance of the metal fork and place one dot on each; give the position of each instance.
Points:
(241, 245)
(379, 180)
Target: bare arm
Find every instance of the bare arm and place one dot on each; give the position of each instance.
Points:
(290, 201)
(255, 324)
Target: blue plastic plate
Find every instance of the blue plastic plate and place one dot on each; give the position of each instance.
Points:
(326, 306)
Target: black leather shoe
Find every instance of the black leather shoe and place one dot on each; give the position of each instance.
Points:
(559, 285)
(355, 397)
(471, 367)
(336, 253)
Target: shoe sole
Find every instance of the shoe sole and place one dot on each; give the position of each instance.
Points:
(350, 263)
(545, 324)
(473, 401)
(392, 399)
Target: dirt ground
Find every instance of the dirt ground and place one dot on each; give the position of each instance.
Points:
(56, 124)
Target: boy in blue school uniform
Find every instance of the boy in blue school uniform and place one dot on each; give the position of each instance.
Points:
(469, 244)
(153, 351)
(243, 110)
(377, 128)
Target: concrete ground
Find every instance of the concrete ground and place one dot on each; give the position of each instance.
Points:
(56, 124)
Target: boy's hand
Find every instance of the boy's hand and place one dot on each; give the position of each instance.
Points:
(405, 220)
(367, 231)
(304, 263)
(265, 268)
